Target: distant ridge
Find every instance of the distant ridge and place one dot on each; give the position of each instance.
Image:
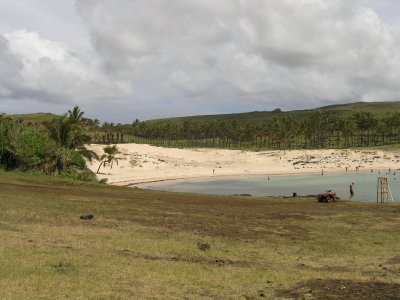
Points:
(379, 108)
(34, 118)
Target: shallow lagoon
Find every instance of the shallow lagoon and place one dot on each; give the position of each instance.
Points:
(286, 185)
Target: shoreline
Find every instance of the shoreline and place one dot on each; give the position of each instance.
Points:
(141, 163)
(133, 183)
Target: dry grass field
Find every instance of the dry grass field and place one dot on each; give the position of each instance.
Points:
(143, 245)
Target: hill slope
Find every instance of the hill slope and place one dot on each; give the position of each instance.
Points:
(379, 108)
(34, 118)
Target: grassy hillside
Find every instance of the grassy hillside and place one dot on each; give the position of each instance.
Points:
(379, 108)
(34, 118)
(143, 245)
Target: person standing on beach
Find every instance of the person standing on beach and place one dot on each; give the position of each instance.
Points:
(351, 187)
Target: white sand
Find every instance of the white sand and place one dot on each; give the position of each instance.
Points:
(144, 163)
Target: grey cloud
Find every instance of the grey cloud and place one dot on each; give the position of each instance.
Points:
(188, 57)
(283, 51)
(10, 68)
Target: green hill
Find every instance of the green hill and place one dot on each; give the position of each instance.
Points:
(34, 118)
(379, 108)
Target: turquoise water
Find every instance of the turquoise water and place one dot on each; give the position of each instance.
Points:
(310, 184)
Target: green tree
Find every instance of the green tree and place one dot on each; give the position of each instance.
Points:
(365, 120)
(109, 157)
(28, 148)
(316, 128)
(381, 128)
(68, 133)
(75, 115)
(348, 128)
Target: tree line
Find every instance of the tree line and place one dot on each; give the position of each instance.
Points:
(318, 130)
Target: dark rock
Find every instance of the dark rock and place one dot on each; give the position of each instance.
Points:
(203, 247)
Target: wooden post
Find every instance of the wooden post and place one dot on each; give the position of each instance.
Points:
(383, 191)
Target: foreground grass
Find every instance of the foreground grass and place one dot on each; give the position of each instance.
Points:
(142, 245)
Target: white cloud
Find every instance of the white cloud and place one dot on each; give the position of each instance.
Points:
(10, 67)
(46, 70)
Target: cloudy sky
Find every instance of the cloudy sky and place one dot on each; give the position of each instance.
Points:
(125, 59)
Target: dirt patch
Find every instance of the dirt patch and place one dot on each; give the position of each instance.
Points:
(322, 268)
(229, 228)
(394, 260)
(327, 289)
(62, 191)
(195, 259)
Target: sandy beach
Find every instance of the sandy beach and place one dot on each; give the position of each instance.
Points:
(139, 163)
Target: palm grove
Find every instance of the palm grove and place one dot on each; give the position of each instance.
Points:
(316, 130)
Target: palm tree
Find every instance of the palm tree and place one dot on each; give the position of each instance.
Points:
(68, 133)
(381, 128)
(316, 128)
(75, 115)
(109, 156)
(348, 128)
(366, 121)
(393, 123)
(290, 128)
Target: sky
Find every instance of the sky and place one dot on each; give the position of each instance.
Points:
(121, 60)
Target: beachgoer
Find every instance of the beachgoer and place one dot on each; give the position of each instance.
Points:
(351, 188)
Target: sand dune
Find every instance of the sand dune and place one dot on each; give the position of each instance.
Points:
(144, 163)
